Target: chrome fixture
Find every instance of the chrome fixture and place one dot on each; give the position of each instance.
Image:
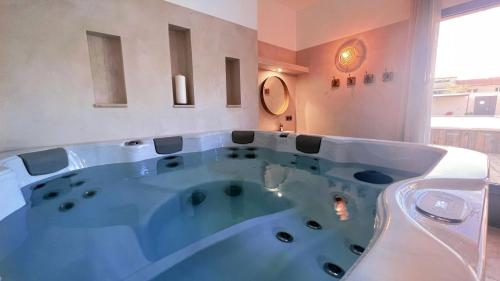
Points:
(387, 76)
(369, 78)
(351, 81)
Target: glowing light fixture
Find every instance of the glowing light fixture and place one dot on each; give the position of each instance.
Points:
(350, 55)
(280, 70)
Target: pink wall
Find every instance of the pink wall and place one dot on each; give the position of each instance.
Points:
(367, 111)
(370, 111)
(277, 24)
(329, 20)
(270, 51)
(267, 121)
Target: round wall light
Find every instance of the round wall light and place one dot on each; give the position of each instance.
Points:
(350, 55)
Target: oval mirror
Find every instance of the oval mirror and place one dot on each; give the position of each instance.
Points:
(274, 95)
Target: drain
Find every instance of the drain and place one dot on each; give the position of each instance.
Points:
(314, 168)
(170, 157)
(50, 195)
(313, 224)
(64, 207)
(233, 155)
(233, 190)
(197, 197)
(356, 249)
(38, 186)
(251, 148)
(69, 175)
(374, 177)
(233, 148)
(284, 237)
(78, 183)
(250, 156)
(172, 165)
(89, 194)
(293, 163)
(333, 270)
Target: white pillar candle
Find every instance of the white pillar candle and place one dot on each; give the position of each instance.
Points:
(180, 89)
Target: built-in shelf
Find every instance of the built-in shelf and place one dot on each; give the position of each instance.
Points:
(116, 105)
(106, 65)
(283, 67)
(184, 105)
(233, 86)
(181, 61)
(233, 105)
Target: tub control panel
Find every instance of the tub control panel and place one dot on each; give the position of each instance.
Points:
(442, 206)
(454, 212)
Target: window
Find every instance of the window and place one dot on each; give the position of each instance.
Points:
(468, 60)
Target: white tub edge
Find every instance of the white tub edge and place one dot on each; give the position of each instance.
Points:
(432, 162)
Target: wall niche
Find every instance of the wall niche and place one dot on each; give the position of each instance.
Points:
(181, 61)
(233, 85)
(106, 64)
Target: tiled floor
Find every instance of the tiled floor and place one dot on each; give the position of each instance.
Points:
(493, 255)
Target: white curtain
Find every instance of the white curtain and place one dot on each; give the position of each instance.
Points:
(424, 28)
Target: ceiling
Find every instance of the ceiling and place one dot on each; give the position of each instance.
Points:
(297, 5)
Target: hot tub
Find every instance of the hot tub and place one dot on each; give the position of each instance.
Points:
(243, 205)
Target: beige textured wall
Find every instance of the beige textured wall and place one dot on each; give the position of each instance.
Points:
(367, 111)
(243, 12)
(46, 93)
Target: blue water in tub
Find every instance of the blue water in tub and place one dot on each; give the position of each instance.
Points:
(226, 214)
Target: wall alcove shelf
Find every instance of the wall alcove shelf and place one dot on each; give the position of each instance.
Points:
(106, 65)
(233, 84)
(181, 61)
(287, 68)
(184, 105)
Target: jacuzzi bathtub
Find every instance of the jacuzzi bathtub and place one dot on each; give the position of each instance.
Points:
(430, 224)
